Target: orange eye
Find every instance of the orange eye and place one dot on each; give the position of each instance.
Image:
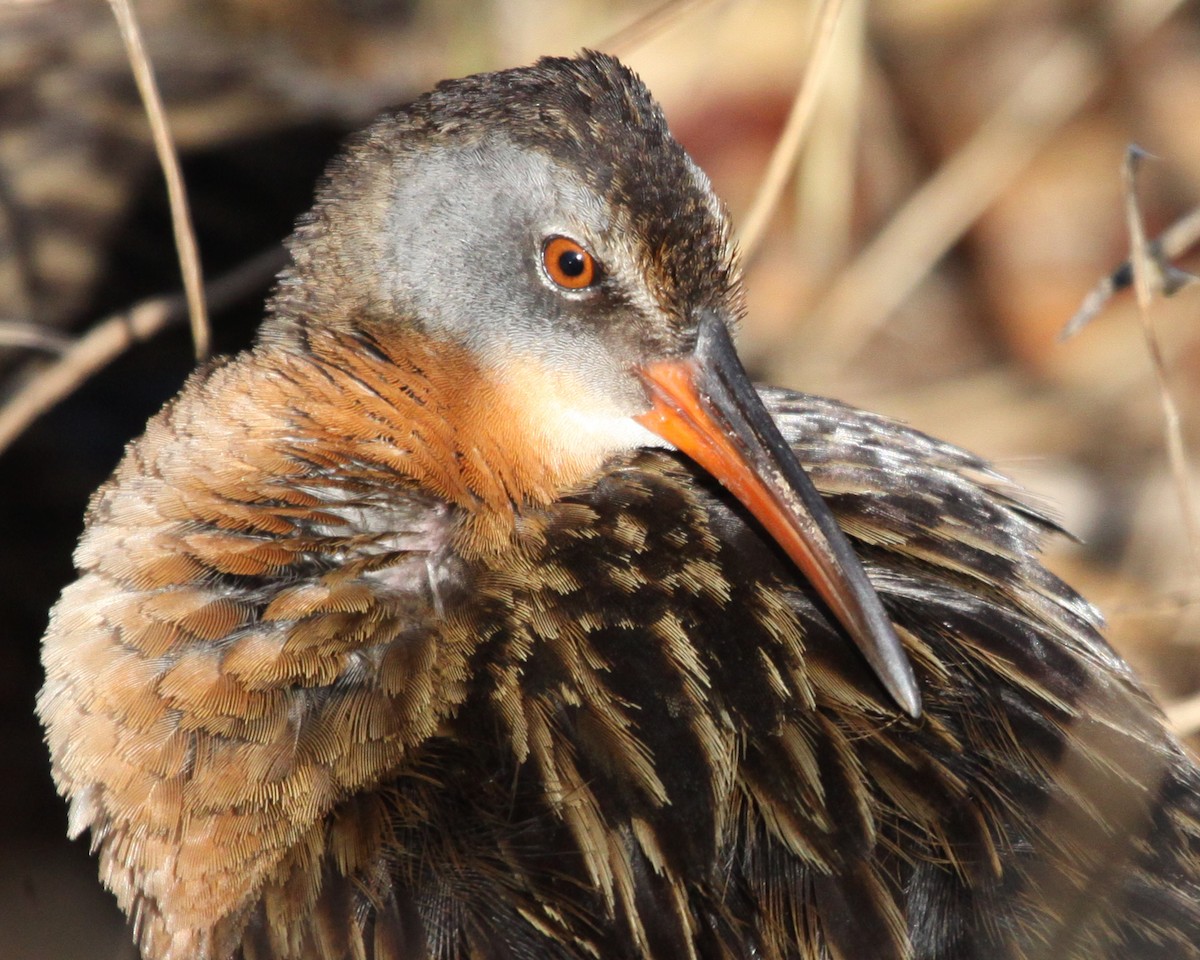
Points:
(568, 264)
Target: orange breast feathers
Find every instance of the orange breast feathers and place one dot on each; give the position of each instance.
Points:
(250, 640)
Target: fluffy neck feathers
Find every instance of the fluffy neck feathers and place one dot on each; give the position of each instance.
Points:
(491, 440)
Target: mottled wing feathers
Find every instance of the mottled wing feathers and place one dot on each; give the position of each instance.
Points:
(1052, 768)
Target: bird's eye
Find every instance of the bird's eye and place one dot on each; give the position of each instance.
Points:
(568, 264)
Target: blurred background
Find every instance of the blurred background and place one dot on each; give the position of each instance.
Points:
(958, 195)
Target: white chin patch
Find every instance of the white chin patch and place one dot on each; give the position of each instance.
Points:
(573, 417)
(611, 432)
(575, 440)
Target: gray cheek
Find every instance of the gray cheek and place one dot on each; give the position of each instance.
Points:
(465, 230)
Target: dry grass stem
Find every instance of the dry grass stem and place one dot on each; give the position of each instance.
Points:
(181, 218)
(933, 219)
(1173, 242)
(1147, 281)
(787, 149)
(1096, 299)
(87, 355)
(20, 334)
(84, 357)
(1180, 236)
(649, 25)
(828, 177)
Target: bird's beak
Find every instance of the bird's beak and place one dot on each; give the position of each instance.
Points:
(706, 407)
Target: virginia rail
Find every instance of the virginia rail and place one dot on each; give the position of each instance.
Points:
(422, 629)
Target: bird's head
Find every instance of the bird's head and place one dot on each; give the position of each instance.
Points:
(544, 223)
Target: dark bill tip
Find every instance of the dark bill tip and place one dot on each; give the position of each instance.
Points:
(706, 406)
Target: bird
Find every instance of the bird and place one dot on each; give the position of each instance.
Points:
(484, 608)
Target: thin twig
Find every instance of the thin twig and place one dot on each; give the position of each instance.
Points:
(181, 217)
(1173, 242)
(1147, 281)
(85, 357)
(783, 158)
(89, 354)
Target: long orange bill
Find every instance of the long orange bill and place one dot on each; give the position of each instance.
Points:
(707, 408)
